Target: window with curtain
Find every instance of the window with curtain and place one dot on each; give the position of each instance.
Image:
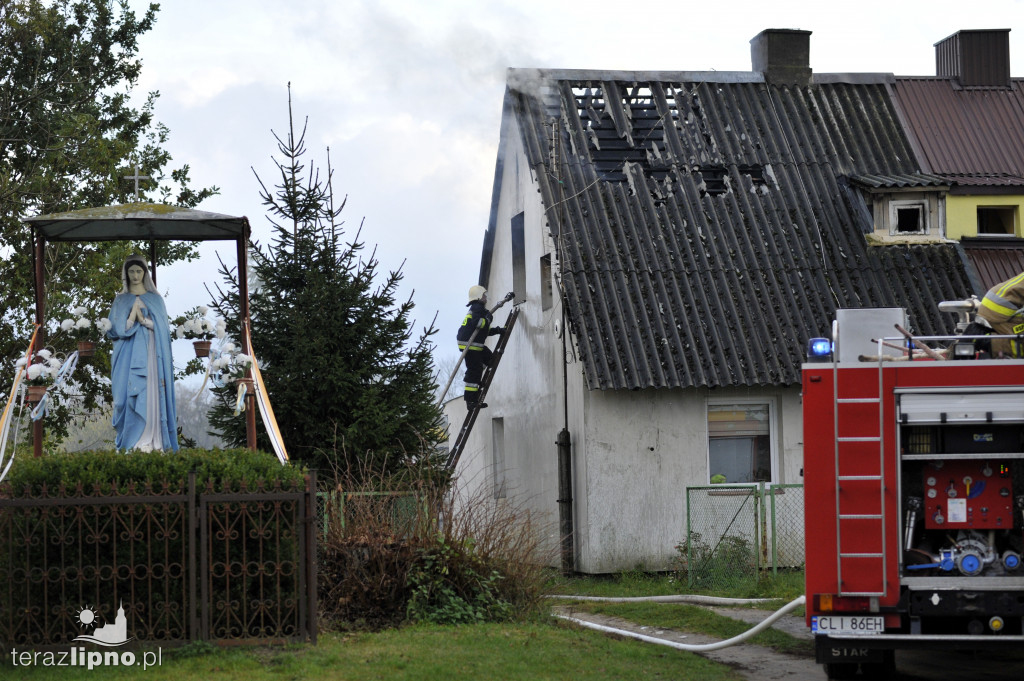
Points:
(739, 442)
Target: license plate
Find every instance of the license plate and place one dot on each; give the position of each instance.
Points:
(848, 624)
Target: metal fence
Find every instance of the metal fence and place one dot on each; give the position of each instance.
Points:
(167, 565)
(397, 511)
(734, 533)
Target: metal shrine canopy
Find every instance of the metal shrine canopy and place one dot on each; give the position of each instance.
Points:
(139, 221)
(142, 221)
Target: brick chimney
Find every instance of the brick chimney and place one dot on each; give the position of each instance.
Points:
(976, 58)
(783, 55)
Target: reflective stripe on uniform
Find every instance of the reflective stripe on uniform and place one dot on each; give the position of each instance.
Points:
(472, 346)
(996, 305)
(472, 387)
(996, 300)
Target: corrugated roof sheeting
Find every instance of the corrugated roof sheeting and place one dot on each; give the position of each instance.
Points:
(965, 131)
(710, 258)
(912, 181)
(995, 259)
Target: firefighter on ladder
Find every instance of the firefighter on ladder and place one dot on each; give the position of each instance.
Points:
(479, 355)
(1000, 308)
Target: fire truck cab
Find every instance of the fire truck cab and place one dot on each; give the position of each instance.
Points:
(914, 493)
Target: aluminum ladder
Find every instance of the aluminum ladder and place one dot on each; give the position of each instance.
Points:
(485, 381)
(858, 489)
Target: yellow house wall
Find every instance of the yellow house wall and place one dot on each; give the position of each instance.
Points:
(962, 213)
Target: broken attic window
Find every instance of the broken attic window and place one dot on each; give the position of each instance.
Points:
(908, 217)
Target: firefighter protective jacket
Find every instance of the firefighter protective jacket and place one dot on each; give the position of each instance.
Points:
(1003, 300)
(477, 317)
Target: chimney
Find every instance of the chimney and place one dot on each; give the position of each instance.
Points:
(783, 55)
(978, 58)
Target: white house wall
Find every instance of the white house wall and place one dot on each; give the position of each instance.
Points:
(642, 450)
(634, 452)
(527, 386)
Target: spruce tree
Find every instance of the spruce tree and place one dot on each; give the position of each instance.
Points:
(351, 387)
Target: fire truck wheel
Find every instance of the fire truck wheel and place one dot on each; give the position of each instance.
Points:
(841, 670)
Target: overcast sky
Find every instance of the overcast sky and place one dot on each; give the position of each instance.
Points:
(407, 95)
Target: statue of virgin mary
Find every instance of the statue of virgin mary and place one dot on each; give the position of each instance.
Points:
(141, 367)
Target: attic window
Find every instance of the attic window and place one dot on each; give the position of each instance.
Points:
(908, 217)
(996, 220)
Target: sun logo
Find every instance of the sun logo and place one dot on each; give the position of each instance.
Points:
(86, 617)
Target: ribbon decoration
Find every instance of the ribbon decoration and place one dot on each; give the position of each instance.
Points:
(263, 402)
(66, 369)
(5, 419)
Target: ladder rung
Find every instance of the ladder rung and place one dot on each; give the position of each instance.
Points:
(860, 516)
(861, 555)
(859, 477)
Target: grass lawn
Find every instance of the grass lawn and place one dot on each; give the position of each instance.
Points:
(540, 649)
(529, 651)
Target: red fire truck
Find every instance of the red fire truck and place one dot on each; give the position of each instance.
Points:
(914, 493)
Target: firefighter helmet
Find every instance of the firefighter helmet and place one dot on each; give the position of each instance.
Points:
(477, 293)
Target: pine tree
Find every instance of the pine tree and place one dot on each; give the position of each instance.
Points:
(352, 390)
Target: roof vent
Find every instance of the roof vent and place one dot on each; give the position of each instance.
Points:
(783, 55)
(976, 58)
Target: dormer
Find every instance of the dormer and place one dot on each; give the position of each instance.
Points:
(905, 208)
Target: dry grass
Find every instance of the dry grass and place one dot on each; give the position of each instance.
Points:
(421, 552)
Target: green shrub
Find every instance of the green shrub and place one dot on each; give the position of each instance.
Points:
(451, 585)
(107, 470)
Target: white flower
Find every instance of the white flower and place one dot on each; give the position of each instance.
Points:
(229, 347)
(207, 325)
(203, 309)
(179, 331)
(44, 353)
(20, 362)
(221, 333)
(79, 311)
(34, 371)
(103, 324)
(67, 324)
(54, 364)
(221, 324)
(243, 360)
(83, 323)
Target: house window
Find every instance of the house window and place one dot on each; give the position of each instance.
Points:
(498, 462)
(546, 293)
(908, 217)
(740, 442)
(519, 257)
(997, 220)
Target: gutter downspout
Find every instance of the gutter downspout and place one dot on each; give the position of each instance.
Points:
(564, 440)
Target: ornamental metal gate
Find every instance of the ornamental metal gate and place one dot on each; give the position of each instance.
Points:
(175, 564)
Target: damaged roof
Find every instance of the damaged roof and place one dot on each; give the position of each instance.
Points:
(706, 223)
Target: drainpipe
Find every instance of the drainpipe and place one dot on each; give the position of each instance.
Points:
(564, 441)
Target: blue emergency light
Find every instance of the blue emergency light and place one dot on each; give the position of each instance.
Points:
(819, 350)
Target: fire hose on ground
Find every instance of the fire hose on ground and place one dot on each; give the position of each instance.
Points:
(697, 600)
